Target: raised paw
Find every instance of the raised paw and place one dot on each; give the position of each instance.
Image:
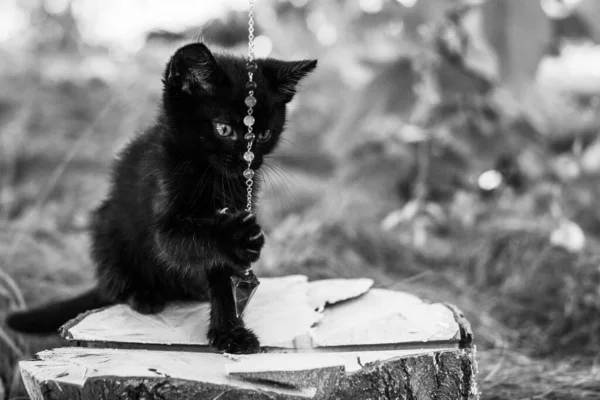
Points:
(242, 236)
(238, 340)
(144, 303)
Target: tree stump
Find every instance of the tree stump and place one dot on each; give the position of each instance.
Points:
(330, 339)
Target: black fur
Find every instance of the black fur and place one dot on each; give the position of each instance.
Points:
(36, 320)
(159, 235)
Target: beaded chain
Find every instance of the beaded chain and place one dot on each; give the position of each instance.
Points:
(250, 103)
(245, 285)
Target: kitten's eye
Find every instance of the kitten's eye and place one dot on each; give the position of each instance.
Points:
(223, 130)
(264, 136)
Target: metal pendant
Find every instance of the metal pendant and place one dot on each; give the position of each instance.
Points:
(243, 288)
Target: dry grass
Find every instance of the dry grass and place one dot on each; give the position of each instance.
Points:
(529, 303)
(58, 136)
(504, 374)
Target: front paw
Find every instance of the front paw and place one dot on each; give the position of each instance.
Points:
(242, 236)
(238, 340)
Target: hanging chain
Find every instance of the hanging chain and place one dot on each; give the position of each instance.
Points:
(243, 286)
(250, 102)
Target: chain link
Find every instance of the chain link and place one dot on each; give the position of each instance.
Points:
(250, 102)
(245, 284)
(251, 32)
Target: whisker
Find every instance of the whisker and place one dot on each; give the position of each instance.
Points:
(222, 192)
(292, 142)
(276, 194)
(287, 157)
(181, 166)
(204, 178)
(282, 175)
(275, 175)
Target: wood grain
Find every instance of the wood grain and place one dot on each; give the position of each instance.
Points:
(79, 373)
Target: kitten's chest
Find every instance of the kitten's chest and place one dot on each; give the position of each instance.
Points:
(234, 201)
(201, 196)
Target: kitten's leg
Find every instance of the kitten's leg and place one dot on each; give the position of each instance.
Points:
(121, 287)
(227, 332)
(122, 278)
(224, 245)
(145, 302)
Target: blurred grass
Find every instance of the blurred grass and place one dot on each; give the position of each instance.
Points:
(58, 135)
(534, 308)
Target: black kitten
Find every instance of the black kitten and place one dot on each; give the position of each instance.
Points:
(159, 236)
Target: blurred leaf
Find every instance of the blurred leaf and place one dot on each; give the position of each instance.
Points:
(590, 160)
(568, 236)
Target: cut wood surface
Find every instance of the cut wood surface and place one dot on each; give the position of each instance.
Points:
(286, 313)
(85, 374)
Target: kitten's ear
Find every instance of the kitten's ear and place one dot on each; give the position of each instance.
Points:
(192, 68)
(284, 76)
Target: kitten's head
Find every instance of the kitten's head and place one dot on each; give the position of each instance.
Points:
(203, 100)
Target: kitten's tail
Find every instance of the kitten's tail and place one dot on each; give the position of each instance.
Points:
(48, 318)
